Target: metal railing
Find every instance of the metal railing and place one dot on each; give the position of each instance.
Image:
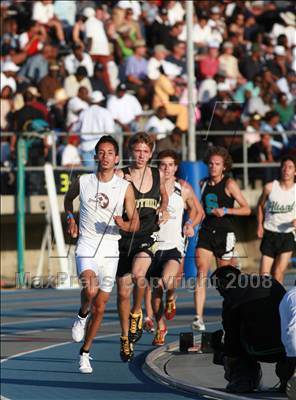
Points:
(201, 136)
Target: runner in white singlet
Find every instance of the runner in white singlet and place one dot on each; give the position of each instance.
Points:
(276, 218)
(103, 196)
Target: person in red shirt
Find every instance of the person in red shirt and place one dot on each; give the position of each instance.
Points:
(209, 63)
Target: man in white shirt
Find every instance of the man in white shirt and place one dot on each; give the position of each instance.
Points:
(159, 124)
(125, 109)
(94, 122)
(134, 5)
(75, 106)
(79, 58)
(97, 40)
(8, 75)
(73, 82)
(43, 12)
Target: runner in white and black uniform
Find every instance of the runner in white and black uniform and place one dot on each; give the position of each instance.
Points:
(216, 236)
(277, 221)
(102, 195)
(168, 258)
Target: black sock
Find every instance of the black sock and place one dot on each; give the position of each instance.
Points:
(83, 351)
(81, 315)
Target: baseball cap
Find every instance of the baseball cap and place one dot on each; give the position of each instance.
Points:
(159, 48)
(139, 43)
(121, 86)
(10, 66)
(97, 97)
(88, 12)
(163, 11)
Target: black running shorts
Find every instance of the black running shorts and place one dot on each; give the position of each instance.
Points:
(161, 258)
(221, 243)
(275, 243)
(129, 249)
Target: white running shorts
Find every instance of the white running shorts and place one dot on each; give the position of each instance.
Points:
(102, 258)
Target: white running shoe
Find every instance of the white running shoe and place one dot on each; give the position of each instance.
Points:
(78, 329)
(84, 364)
(198, 324)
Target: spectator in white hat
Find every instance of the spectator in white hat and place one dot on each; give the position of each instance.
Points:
(97, 120)
(229, 64)
(75, 106)
(8, 75)
(286, 27)
(160, 52)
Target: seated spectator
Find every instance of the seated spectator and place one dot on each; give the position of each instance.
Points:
(261, 152)
(279, 66)
(136, 69)
(284, 109)
(36, 67)
(32, 40)
(229, 64)
(50, 83)
(286, 26)
(97, 40)
(75, 106)
(159, 124)
(250, 65)
(173, 35)
(176, 11)
(6, 109)
(70, 155)
(164, 89)
(8, 75)
(201, 30)
(209, 63)
(271, 124)
(97, 81)
(156, 61)
(43, 12)
(78, 31)
(124, 44)
(253, 129)
(37, 102)
(125, 109)
(78, 58)
(132, 25)
(158, 31)
(73, 82)
(57, 112)
(178, 56)
(173, 142)
(23, 120)
(207, 90)
(247, 339)
(97, 120)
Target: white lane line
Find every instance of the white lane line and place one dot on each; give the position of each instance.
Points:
(51, 347)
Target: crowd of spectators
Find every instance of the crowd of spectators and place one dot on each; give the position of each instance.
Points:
(86, 66)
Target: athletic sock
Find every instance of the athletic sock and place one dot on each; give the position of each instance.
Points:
(81, 315)
(83, 351)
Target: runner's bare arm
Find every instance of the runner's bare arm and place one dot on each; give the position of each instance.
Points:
(195, 210)
(260, 209)
(164, 201)
(232, 189)
(72, 193)
(133, 223)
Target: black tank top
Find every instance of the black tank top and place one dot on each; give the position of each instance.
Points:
(216, 197)
(147, 204)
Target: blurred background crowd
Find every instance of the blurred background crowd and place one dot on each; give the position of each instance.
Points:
(81, 67)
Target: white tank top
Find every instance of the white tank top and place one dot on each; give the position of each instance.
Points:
(280, 209)
(170, 234)
(99, 203)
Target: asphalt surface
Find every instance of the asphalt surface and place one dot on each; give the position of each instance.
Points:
(40, 361)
